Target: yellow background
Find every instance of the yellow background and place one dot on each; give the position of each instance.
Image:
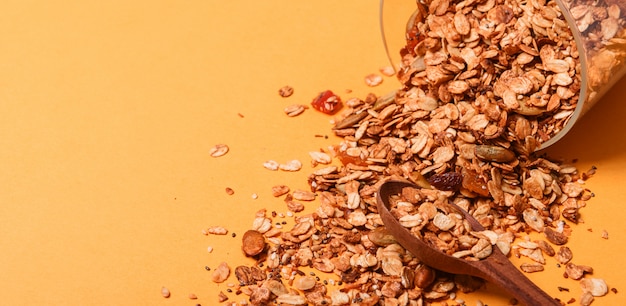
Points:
(108, 110)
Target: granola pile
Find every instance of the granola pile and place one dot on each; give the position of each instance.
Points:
(484, 84)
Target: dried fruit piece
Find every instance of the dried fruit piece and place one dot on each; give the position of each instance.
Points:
(381, 237)
(326, 102)
(252, 243)
(474, 182)
(446, 181)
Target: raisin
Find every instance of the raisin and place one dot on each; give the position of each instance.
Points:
(449, 181)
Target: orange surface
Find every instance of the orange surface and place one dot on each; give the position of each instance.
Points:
(108, 110)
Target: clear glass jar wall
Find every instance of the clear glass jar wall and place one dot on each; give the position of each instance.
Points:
(550, 60)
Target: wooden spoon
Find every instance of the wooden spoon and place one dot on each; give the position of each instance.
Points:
(496, 268)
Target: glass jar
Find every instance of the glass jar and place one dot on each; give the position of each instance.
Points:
(571, 51)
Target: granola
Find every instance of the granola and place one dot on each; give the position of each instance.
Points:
(485, 83)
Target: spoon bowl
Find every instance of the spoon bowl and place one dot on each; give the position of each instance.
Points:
(496, 268)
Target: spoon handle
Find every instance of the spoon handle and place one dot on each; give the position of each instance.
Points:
(501, 272)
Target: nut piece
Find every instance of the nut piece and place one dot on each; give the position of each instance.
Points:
(494, 153)
(221, 273)
(285, 91)
(218, 150)
(424, 276)
(253, 243)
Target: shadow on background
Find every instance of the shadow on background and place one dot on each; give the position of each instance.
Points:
(600, 134)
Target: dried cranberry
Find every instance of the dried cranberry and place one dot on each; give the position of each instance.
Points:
(326, 102)
(446, 181)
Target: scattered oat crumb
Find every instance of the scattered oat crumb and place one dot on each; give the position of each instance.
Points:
(373, 80)
(271, 165)
(279, 190)
(217, 230)
(165, 292)
(240, 115)
(218, 150)
(229, 191)
(192, 296)
(387, 70)
(292, 166)
(605, 234)
(255, 196)
(209, 249)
